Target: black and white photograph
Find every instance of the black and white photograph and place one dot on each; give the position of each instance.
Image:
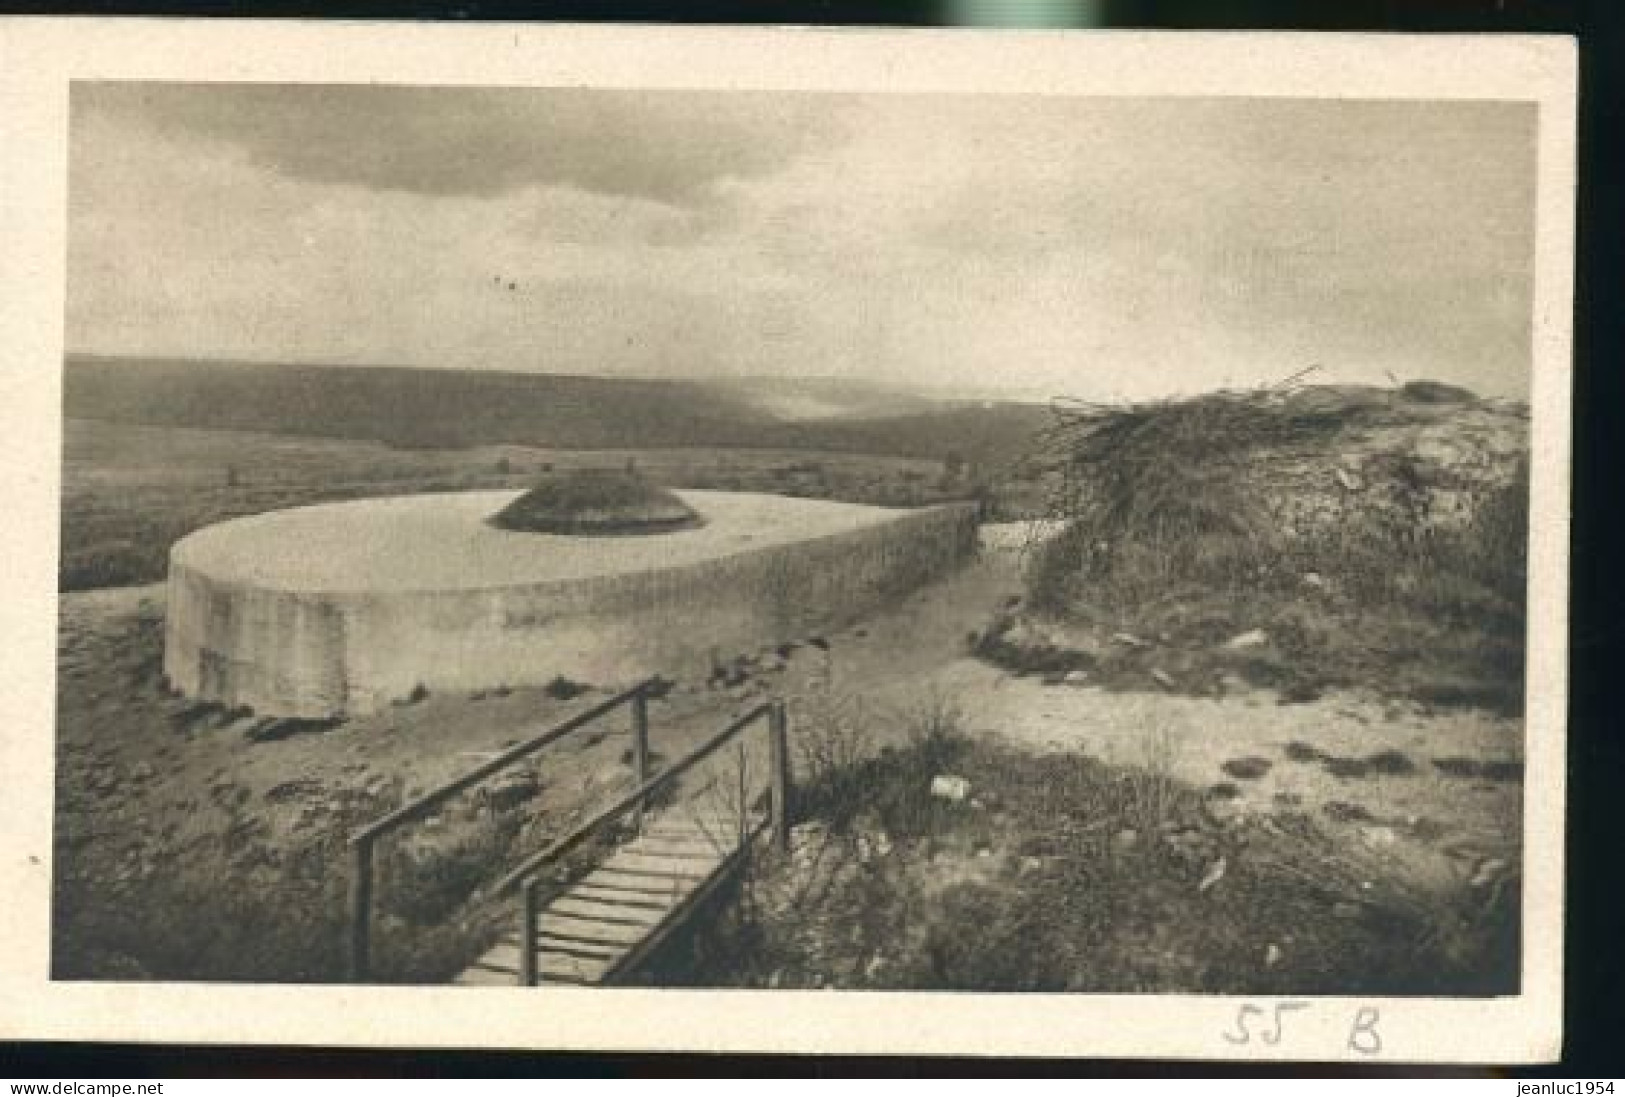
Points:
(585, 537)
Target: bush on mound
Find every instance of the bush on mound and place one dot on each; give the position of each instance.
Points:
(1361, 542)
(1156, 495)
(1436, 392)
(1237, 490)
(596, 501)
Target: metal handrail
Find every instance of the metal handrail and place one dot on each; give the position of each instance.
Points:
(779, 776)
(631, 799)
(434, 797)
(362, 841)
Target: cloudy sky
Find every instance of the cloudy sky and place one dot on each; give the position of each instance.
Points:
(1040, 245)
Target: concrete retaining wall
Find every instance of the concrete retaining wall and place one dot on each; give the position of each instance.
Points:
(323, 654)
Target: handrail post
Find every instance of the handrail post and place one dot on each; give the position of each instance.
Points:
(627, 803)
(640, 750)
(530, 926)
(360, 910)
(778, 737)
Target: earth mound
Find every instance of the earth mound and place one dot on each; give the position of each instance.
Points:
(596, 502)
(1296, 539)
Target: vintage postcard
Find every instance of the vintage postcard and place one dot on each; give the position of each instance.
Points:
(797, 540)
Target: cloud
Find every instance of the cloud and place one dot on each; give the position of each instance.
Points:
(674, 148)
(1097, 247)
(1115, 245)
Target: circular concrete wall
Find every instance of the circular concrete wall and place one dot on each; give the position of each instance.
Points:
(343, 607)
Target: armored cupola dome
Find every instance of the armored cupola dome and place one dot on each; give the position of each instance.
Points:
(596, 502)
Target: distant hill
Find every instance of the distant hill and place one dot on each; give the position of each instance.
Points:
(815, 399)
(416, 408)
(984, 433)
(448, 409)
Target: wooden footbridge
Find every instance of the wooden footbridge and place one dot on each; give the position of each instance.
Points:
(594, 926)
(617, 915)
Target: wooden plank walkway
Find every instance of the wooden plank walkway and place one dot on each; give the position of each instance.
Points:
(616, 914)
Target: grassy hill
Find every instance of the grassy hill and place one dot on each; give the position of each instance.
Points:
(156, 449)
(454, 409)
(411, 408)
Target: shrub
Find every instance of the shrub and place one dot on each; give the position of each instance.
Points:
(424, 884)
(1153, 494)
(1418, 585)
(982, 938)
(1038, 892)
(238, 906)
(893, 785)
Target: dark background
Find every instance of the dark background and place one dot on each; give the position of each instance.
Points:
(1595, 940)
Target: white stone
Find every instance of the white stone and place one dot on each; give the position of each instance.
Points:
(1252, 638)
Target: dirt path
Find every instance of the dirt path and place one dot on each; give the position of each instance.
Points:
(1363, 769)
(1437, 794)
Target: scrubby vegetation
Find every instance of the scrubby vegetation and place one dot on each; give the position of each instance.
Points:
(430, 409)
(1184, 565)
(157, 449)
(1227, 538)
(1057, 872)
(180, 855)
(285, 916)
